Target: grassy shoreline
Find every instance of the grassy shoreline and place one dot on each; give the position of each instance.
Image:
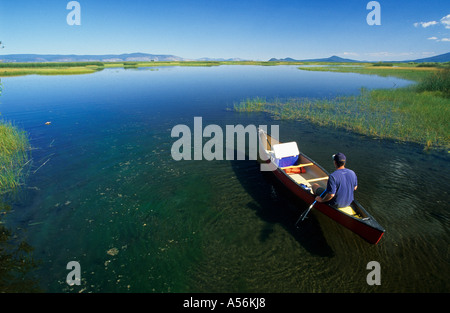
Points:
(413, 72)
(417, 114)
(403, 70)
(14, 147)
(73, 68)
(60, 68)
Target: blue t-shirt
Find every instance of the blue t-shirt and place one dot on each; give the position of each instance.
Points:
(342, 184)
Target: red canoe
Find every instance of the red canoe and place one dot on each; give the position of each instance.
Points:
(298, 175)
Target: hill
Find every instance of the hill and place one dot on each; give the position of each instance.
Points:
(335, 59)
(146, 57)
(438, 58)
(127, 57)
(332, 59)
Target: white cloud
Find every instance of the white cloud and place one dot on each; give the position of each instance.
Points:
(379, 54)
(446, 21)
(388, 54)
(425, 24)
(350, 54)
(437, 39)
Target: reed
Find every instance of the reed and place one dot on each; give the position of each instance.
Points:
(14, 147)
(6, 72)
(404, 71)
(14, 158)
(439, 81)
(50, 68)
(404, 114)
(50, 64)
(127, 65)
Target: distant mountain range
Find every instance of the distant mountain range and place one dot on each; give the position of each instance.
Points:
(219, 60)
(128, 57)
(335, 59)
(438, 58)
(145, 57)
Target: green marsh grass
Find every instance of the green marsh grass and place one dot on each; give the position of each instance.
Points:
(50, 68)
(419, 113)
(49, 64)
(439, 82)
(130, 65)
(14, 150)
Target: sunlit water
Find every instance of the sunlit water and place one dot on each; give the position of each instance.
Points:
(104, 190)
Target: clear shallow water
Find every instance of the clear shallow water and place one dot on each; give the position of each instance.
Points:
(103, 178)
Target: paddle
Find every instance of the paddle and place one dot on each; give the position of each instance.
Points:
(303, 216)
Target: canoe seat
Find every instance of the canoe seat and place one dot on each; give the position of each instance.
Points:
(299, 179)
(349, 210)
(299, 165)
(317, 179)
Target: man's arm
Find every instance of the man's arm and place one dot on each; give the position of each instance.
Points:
(330, 191)
(327, 198)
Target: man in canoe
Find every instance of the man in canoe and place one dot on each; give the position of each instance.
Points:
(341, 185)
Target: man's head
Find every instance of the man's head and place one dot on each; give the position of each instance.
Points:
(339, 158)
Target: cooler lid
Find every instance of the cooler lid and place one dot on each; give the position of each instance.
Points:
(284, 150)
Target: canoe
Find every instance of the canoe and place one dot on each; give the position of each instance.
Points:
(298, 172)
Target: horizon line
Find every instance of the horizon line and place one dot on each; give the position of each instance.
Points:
(212, 58)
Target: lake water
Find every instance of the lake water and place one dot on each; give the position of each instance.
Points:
(104, 190)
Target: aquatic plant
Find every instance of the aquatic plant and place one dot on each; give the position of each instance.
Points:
(404, 71)
(49, 64)
(14, 147)
(438, 81)
(50, 68)
(401, 114)
(130, 65)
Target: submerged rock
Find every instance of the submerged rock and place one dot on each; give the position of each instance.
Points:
(113, 251)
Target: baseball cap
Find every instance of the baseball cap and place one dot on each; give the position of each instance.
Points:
(339, 157)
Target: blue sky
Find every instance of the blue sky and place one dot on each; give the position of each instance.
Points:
(248, 29)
